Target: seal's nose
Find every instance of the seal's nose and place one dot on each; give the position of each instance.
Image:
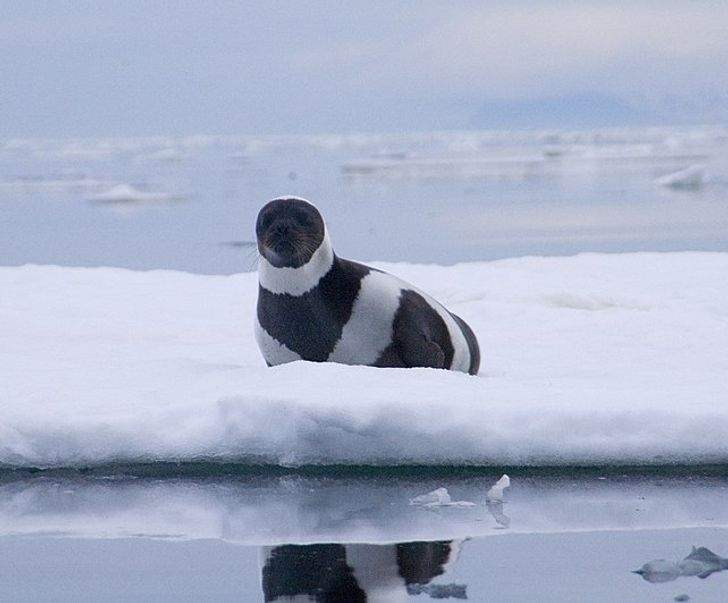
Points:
(281, 229)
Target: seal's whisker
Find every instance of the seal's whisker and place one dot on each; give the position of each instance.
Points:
(251, 259)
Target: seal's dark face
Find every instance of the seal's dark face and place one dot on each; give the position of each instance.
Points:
(289, 231)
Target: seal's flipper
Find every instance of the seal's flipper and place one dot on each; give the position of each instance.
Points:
(417, 330)
(418, 351)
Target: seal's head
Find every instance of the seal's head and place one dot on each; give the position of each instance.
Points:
(289, 231)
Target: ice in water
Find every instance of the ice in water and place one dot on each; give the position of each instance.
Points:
(439, 498)
(701, 562)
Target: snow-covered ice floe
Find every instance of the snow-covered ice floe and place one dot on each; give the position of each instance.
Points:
(592, 359)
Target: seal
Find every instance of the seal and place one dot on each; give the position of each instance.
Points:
(314, 305)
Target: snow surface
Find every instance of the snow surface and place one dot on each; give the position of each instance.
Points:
(589, 359)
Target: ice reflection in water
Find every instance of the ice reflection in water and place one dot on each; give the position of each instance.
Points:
(359, 572)
(701, 562)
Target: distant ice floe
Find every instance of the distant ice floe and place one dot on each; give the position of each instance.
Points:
(54, 185)
(690, 178)
(546, 161)
(108, 365)
(125, 193)
(439, 154)
(446, 166)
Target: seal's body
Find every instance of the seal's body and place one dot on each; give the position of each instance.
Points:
(313, 305)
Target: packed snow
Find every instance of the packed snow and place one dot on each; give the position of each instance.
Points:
(590, 359)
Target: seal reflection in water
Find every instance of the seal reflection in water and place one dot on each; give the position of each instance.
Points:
(313, 305)
(353, 573)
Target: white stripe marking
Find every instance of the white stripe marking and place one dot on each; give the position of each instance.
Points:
(369, 329)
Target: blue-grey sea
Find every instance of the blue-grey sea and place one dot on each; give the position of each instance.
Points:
(190, 203)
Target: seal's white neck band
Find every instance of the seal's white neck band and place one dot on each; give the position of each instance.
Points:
(297, 281)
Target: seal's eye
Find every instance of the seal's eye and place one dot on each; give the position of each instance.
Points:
(302, 218)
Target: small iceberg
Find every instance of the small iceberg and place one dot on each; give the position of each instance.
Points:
(691, 178)
(439, 498)
(167, 154)
(125, 193)
(495, 494)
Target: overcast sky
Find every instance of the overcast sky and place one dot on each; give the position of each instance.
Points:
(102, 68)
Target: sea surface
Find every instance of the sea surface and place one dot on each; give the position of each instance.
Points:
(442, 197)
(195, 534)
(192, 532)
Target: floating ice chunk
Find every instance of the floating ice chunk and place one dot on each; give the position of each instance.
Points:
(494, 501)
(463, 504)
(124, 193)
(495, 494)
(439, 498)
(690, 178)
(659, 570)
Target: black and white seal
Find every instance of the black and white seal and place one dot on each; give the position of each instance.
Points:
(313, 305)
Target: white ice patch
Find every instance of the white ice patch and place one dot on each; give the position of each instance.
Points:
(461, 352)
(109, 365)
